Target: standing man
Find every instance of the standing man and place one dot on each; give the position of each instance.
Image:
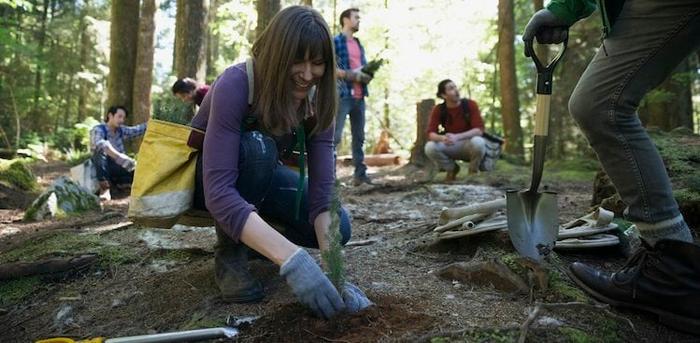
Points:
(460, 137)
(352, 90)
(113, 165)
(644, 40)
(190, 91)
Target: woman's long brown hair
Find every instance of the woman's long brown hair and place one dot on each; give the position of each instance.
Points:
(294, 33)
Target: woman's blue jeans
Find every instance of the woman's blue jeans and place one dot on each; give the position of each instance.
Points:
(272, 188)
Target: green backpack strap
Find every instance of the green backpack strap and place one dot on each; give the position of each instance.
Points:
(301, 143)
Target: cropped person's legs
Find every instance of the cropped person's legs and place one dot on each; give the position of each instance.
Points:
(648, 40)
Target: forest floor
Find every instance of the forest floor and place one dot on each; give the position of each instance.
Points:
(151, 280)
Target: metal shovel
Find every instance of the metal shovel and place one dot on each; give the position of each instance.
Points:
(533, 217)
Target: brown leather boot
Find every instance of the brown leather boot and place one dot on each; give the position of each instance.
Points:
(663, 279)
(452, 175)
(231, 272)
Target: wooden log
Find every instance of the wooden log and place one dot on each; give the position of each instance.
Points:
(489, 207)
(379, 160)
(53, 266)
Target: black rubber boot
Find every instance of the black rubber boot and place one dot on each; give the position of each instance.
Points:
(231, 272)
(663, 279)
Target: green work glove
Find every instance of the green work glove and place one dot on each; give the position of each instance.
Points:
(547, 27)
(311, 285)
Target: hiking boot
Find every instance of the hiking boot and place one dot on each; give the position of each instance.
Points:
(231, 272)
(452, 174)
(663, 280)
(359, 180)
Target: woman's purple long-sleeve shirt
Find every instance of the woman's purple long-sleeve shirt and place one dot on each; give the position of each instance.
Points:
(221, 114)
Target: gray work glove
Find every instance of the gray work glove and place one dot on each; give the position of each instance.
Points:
(356, 75)
(126, 162)
(311, 285)
(547, 27)
(355, 300)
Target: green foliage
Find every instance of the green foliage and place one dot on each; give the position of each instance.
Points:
(75, 157)
(40, 90)
(169, 108)
(14, 291)
(18, 175)
(333, 257)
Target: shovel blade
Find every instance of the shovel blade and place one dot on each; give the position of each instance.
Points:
(533, 222)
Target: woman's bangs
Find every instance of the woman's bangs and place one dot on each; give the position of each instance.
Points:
(315, 42)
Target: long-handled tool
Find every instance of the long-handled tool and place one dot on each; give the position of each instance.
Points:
(230, 331)
(533, 220)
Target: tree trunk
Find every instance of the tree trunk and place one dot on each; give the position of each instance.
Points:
(85, 46)
(309, 3)
(266, 10)
(39, 63)
(510, 107)
(670, 105)
(212, 42)
(122, 57)
(423, 110)
(191, 39)
(144, 62)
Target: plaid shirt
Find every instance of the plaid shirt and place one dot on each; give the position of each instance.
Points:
(100, 135)
(343, 60)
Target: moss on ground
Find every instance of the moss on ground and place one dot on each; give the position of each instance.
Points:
(480, 335)
(563, 289)
(68, 244)
(14, 291)
(70, 199)
(16, 174)
(605, 331)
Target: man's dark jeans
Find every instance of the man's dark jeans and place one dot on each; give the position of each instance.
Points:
(108, 170)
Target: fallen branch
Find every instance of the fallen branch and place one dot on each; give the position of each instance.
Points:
(360, 243)
(487, 207)
(526, 325)
(52, 266)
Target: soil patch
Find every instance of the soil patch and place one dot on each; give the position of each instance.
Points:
(390, 317)
(11, 198)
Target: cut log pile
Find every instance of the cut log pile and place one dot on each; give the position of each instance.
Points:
(469, 220)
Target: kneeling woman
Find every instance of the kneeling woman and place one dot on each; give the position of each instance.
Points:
(243, 179)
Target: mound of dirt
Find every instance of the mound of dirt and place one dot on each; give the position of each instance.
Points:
(390, 317)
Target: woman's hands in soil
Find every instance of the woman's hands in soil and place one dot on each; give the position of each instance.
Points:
(310, 285)
(355, 300)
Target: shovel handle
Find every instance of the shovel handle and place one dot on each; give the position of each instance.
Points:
(545, 72)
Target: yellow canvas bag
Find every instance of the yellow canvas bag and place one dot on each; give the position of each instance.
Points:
(164, 179)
